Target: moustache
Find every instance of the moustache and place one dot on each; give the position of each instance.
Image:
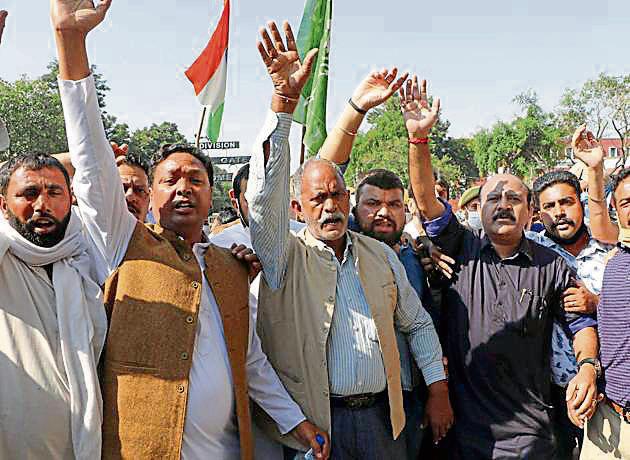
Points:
(504, 214)
(564, 221)
(381, 220)
(39, 218)
(180, 202)
(331, 218)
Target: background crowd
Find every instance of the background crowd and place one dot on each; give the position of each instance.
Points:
(390, 321)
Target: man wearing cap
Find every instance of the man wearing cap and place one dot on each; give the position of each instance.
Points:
(469, 203)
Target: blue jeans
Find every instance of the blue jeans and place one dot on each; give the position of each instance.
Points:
(364, 434)
(414, 403)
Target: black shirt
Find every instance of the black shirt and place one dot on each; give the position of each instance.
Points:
(499, 316)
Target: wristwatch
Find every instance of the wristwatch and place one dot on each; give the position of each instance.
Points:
(594, 362)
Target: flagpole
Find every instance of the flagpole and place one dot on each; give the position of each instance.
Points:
(302, 152)
(203, 117)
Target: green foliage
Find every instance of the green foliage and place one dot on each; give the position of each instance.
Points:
(145, 142)
(385, 145)
(220, 192)
(602, 103)
(525, 146)
(34, 118)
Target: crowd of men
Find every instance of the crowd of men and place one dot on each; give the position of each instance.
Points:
(305, 323)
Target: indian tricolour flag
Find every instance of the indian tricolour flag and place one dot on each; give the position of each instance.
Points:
(208, 74)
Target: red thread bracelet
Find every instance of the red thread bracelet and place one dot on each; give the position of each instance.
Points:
(419, 140)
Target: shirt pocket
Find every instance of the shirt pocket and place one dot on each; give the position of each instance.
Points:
(534, 321)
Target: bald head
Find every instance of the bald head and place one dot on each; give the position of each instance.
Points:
(504, 180)
(321, 197)
(313, 169)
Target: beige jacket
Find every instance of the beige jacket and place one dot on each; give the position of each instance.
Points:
(294, 323)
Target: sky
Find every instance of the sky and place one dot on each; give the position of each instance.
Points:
(475, 55)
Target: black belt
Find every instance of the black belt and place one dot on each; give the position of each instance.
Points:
(362, 401)
(623, 412)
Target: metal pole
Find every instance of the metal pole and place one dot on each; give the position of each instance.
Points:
(303, 150)
(203, 117)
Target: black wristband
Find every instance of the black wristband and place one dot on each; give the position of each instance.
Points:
(356, 107)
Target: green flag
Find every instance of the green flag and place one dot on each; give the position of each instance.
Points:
(214, 123)
(311, 110)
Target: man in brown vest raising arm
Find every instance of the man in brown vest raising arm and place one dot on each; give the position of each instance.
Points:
(181, 358)
(331, 300)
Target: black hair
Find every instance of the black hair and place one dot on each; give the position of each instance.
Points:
(168, 149)
(381, 178)
(442, 183)
(135, 161)
(556, 177)
(241, 175)
(30, 162)
(617, 179)
(227, 214)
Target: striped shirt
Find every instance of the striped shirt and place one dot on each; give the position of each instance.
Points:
(613, 317)
(589, 265)
(354, 358)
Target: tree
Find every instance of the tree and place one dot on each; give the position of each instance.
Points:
(34, 117)
(603, 104)
(146, 142)
(114, 131)
(220, 191)
(384, 145)
(525, 146)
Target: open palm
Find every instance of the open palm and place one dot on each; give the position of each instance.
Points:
(377, 87)
(586, 148)
(78, 15)
(283, 64)
(419, 118)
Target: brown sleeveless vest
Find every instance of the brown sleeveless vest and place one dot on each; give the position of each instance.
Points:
(152, 301)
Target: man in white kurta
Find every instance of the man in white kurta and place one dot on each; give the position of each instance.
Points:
(52, 329)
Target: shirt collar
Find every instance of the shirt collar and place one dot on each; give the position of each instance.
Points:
(524, 248)
(592, 247)
(310, 240)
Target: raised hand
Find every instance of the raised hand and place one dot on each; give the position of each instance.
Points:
(288, 74)
(419, 118)
(77, 15)
(3, 18)
(119, 150)
(586, 148)
(377, 87)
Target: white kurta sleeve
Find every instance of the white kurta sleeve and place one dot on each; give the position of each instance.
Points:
(96, 184)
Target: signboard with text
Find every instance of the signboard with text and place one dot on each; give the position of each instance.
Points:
(223, 145)
(225, 177)
(230, 160)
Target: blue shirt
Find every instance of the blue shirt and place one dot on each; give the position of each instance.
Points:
(589, 265)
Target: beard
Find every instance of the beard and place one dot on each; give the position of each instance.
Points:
(27, 229)
(389, 238)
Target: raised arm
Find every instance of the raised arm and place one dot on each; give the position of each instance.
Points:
(374, 90)
(268, 185)
(587, 149)
(96, 182)
(419, 120)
